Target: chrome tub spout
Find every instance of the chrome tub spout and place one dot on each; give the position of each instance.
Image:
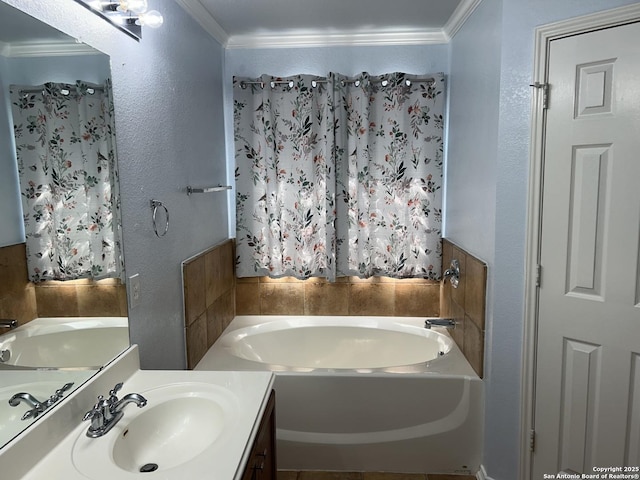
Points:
(8, 323)
(449, 323)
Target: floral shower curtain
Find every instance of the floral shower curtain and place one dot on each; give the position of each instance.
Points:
(65, 146)
(389, 175)
(285, 178)
(339, 176)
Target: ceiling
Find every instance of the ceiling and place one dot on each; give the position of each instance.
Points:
(287, 23)
(277, 23)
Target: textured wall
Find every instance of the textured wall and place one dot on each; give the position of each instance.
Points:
(169, 123)
(472, 150)
(474, 88)
(12, 231)
(505, 309)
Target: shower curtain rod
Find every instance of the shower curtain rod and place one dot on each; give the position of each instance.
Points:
(244, 83)
(39, 90)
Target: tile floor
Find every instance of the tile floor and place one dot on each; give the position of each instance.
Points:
(292, 475)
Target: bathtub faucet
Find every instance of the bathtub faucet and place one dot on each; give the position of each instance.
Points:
(440, 322)
(453, 273)
(8, 323)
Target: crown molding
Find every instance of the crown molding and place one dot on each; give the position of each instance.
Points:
(320, 39)
(45, 49)
(459, 17)
(204, 18)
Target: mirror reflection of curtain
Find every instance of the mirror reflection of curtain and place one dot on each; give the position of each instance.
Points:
(65, 146)
(340, 176)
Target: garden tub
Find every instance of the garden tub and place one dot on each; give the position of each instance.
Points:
(362, 393)
(66, 342)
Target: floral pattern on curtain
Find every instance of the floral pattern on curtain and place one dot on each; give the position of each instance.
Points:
(285, 178)
(65, 146)
(389, 176)
(339, 176)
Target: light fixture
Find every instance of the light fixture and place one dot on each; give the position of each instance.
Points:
(152, 19)
(134, 6)
(128, 15)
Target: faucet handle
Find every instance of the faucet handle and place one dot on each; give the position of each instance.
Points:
(91, 414)
(115, 390)
(33, 413)
(99, 404)
(65, 387)
(96, 414)
(60, 392)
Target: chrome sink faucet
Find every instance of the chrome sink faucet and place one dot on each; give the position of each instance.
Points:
(108, 411)
(37, 407)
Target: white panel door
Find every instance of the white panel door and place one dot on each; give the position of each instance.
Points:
(587, 404)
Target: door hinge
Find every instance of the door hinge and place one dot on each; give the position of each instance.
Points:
(532, 440)
(538, 274)
(545, 93)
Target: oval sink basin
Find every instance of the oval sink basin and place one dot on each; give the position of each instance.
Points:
(169, 434)
(180, 424)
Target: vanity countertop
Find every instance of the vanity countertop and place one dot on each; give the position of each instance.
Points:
(79, 457)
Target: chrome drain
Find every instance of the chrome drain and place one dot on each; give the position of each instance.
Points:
(148, 467)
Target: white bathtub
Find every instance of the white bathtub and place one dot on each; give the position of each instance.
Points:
(66, 342)
(362, 393)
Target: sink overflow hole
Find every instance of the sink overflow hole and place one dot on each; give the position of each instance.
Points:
(149, 467)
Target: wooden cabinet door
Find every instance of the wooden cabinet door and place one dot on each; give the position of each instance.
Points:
(262, 459)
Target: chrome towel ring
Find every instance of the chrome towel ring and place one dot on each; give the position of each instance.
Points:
(155, 204)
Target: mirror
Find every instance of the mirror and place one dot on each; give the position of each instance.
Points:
(59, 322)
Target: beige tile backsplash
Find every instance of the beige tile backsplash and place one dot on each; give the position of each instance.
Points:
(24, 301)
(347, 296)
(209, 298)
(466, 304)
(17, 293)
